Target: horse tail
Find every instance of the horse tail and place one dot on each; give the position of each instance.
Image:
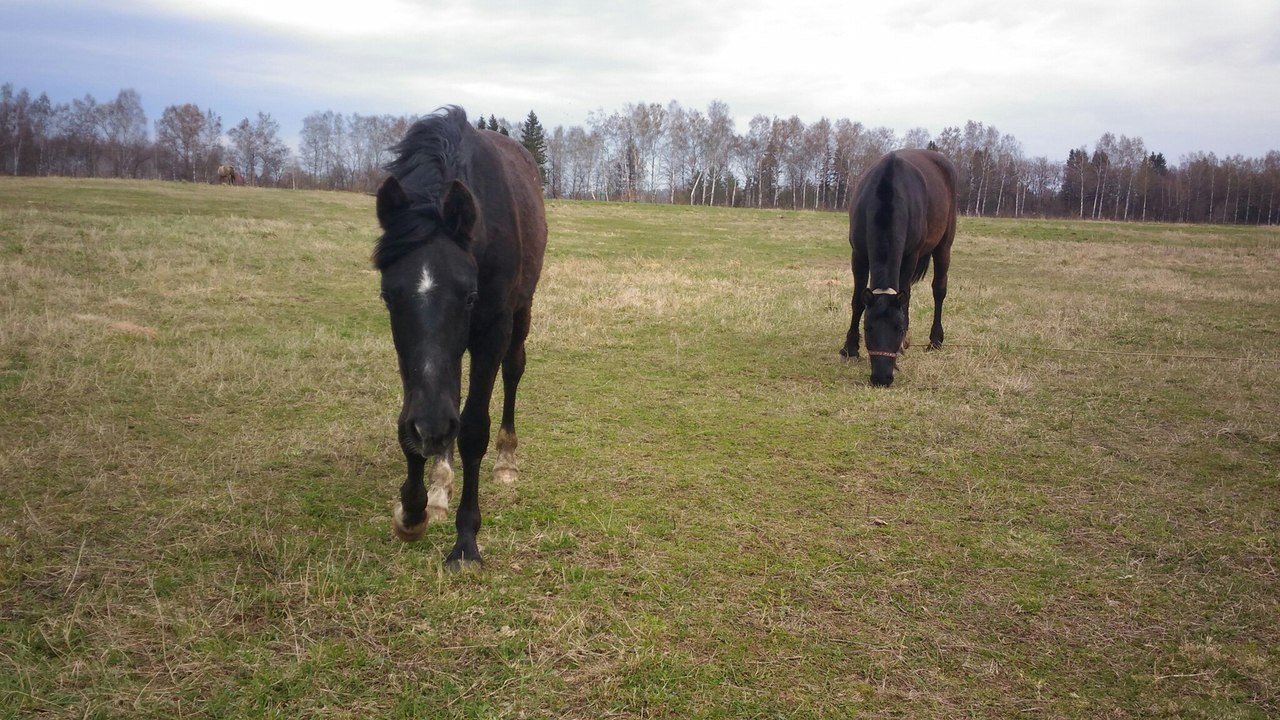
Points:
(922, 267)
(885, 194)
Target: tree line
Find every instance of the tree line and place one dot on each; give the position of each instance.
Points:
(647, 152)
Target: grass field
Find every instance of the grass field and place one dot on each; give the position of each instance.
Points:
(1071, 511)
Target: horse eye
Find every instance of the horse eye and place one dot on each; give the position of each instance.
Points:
(471, 299)
(386, 299)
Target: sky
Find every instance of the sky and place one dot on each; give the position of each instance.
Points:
(1184, 76)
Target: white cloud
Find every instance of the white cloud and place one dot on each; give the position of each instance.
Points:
(1189, 73)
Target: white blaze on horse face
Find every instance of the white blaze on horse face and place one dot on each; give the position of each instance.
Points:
(884, 291)
(426, 283)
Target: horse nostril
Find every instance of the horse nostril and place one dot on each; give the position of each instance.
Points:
(430, 435)
(416, 431)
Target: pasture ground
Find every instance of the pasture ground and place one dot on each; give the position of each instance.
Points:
(1061, 514)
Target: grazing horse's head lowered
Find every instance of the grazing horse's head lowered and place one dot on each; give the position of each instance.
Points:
(464, 234)
(886, 329)
(903, 214)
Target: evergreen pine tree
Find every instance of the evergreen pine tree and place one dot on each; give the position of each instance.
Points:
(534, 139)
(493, 123)
(480, 123)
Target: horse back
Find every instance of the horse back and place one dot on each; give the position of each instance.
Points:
(903, 209)
(505, 181)
(938, 178)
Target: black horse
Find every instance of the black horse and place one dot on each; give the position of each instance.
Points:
(903, 212)
(464, 235)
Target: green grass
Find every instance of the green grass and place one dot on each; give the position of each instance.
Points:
(716, 517)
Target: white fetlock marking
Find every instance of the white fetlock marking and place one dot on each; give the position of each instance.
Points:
(504, 466)
(402, 531)
(441, 490)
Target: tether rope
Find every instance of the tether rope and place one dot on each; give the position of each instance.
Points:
(1170, 356)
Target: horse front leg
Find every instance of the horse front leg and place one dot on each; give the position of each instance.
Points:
(473, 441)
(409, 517)
(465, 552)
(851, 338)
(906, 320)
(861, 272)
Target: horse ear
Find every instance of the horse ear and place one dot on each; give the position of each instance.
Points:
(459, 211)
(391, 200)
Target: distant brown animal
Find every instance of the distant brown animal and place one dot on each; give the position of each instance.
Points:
(227, 175)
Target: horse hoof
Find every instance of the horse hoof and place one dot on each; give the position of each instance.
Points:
(463, 557)
(458, 565)
(406, 533)
(435, 513)
(506, 475)
(844, 354)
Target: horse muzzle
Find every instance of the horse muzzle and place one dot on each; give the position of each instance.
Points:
(883, 363)
(428, 437)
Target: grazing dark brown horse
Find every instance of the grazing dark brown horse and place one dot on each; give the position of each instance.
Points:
(903, 213)
(464, 235)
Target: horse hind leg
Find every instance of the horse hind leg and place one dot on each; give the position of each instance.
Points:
(504, 467)
(941, 264)
(441, 489)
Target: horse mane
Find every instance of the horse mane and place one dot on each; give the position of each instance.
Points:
(883, 216)
(431, 155)
(884, 194)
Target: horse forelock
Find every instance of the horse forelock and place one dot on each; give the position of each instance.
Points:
(406, 231)
(432, 154)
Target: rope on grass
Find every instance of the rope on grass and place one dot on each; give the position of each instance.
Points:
(1127, 353)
